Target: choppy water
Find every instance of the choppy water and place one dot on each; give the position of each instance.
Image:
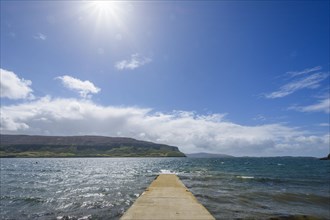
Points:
(103, 188)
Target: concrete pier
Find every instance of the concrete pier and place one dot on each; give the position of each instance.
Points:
(167, 198)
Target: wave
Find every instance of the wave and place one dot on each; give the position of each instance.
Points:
(294, 217)
(107, 187)
(23, 199)
(245, 177)
(66, 217)
(302, 198)
(167, 172)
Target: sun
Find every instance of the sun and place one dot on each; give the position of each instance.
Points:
(104, 8)
(106, 11)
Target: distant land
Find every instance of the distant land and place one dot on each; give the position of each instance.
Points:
(82, 146)
(208, 155)
(325, 158)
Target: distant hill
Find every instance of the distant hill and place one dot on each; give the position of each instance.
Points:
(82, 146)
(207, 155)
(325, 158)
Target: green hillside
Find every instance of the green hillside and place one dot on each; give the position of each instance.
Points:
(82, 146)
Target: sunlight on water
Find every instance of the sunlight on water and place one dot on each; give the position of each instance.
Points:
(103, 188)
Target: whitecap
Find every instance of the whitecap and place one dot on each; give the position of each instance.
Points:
(87, 217)
(167, 172)
(245, 177)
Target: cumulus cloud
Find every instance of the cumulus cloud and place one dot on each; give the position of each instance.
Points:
(134, 62)
(84, 88)
(187, 130)
(12, 87)
(321, 106)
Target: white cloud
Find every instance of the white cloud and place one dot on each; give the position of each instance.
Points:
(40, 36)
(84, 88)
(321, 106)
(12, 87)
(136, 61)
(305, 71)
(259, 118)
(309, 82)
(187, 130)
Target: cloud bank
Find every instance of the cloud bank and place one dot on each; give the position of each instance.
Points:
(189, 131)
(12, 87)
(84, 88)
(134, 62)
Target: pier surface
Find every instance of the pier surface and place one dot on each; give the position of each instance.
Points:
(167, 198)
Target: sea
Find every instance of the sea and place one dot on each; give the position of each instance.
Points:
(103, 188)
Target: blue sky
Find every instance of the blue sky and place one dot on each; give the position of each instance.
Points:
(238, 77)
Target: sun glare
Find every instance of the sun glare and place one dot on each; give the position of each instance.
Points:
(103, 7)
(106, 11)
